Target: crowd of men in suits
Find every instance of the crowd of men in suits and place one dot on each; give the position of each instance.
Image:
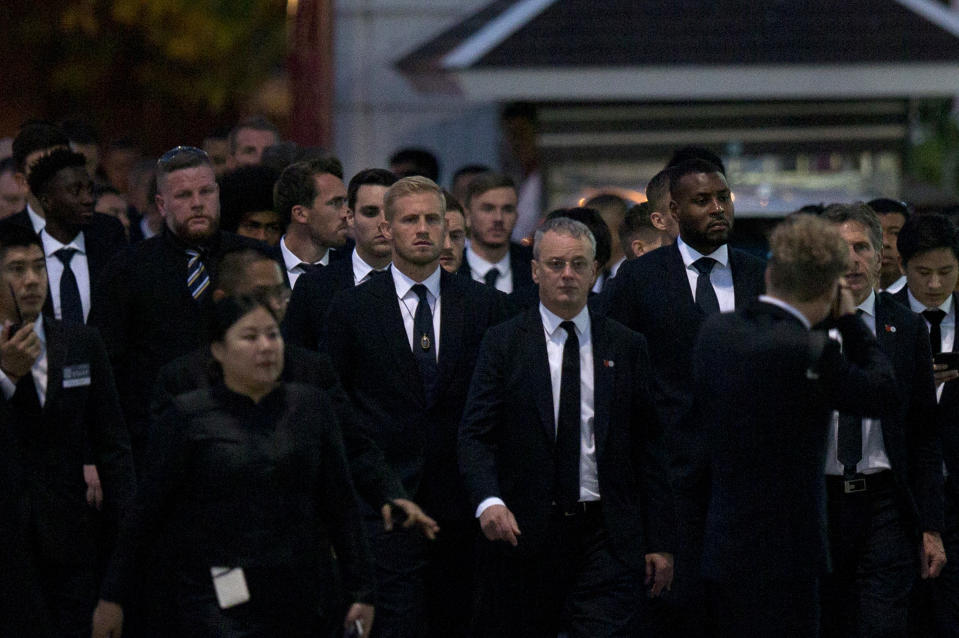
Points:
(626, 428)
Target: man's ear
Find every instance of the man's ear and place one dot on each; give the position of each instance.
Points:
(299, 214)
(218, 295)
(535, 266)
(637, 247)
(387, 229)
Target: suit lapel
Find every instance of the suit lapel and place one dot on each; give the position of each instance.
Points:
(538, 369)
(602, 381)
(452, 324)
(885, 330)
(743, 292)
(679, 291)
(388, 323)
(56, 358)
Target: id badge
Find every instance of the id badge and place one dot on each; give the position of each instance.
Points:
(230, 586)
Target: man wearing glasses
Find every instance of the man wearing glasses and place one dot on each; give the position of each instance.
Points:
(153, 299)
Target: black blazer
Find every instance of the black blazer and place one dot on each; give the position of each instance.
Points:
(373, 479)
(520, 257)
(508, 435)
(304, 324)
(371, 353)
(81, 415)
(104, 238)
(909, 431)
(651, 295)
(147, 317)
(752, 490)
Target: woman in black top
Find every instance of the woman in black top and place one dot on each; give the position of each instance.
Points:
(245, 496)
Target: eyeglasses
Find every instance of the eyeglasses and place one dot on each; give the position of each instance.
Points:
(579, 266)
(181, 153)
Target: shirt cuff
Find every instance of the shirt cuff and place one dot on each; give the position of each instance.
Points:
(492, 500)
(7, 386)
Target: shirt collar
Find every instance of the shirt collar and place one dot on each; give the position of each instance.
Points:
(779, 303)
(868, 306)
(482, 266)
(39, 223)
(38, 329)
(404, 284)
(916, 306)
(291, 261)
(615, 267)
(52, 245)
(690, 254)
(361, 269)
(551, 321)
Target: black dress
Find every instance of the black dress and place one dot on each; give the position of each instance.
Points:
(263, 486)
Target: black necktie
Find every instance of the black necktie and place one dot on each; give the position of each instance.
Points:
(705, 295)
(849, 445)
(376, 273)
(308, 268)
(566, 481)
(424, 344)
(25, 397)
(935, 317)
(71, 309)
(491, 276)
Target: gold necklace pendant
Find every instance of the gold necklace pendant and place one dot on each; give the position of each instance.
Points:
(425, 342)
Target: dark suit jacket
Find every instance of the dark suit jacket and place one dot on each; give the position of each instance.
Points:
(370, 350)
(147, 317)
(651, 295)
(373, 479)
(80, 413)
(305, 319)
(764, 389)
(508, 435)
(910, 432)
(104, 238)
(520, 257)
(336, 255)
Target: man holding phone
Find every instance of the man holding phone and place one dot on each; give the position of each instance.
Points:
(929, 255)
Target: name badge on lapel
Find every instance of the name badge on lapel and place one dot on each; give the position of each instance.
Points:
(76, 376)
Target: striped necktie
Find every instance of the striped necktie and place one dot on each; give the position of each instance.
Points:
(197, 279)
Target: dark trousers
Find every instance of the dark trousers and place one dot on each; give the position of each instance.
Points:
(69, 597)
(875, 567)
(765, 608)
(574, 582)
(945, 589)
(423, 587)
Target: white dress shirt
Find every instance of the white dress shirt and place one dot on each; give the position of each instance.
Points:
(38, 223)
(874, 458)
(78, 264)
(721, 275)
(479, 267)
(39, 369)
(555, 342)
(409, 301)
(292, 263)
(362, 271)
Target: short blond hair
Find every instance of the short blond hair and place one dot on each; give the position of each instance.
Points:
(413, 185)
(807, 257)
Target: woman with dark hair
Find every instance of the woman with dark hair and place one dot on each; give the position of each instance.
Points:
(246, 498)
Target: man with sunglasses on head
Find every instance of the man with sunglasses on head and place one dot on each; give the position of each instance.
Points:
(153, 299)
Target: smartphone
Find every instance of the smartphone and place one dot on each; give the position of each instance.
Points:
(15, 326)
(951, 359)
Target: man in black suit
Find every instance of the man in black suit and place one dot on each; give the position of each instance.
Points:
(563, 459)
(58, 392)
(153, 299)
(929, 254)
(383, 338)
(371, 256)
(764, 387)
(77, 242)
(667, 296)
(311, 199)
(33, 141)
(883, 475)
(491, 214)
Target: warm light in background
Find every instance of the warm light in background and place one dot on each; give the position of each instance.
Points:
(291, 6)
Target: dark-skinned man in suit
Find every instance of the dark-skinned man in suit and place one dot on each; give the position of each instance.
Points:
(929, 255)
(383, 337)
(883, 475)
(562, 454)
(667, 296)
